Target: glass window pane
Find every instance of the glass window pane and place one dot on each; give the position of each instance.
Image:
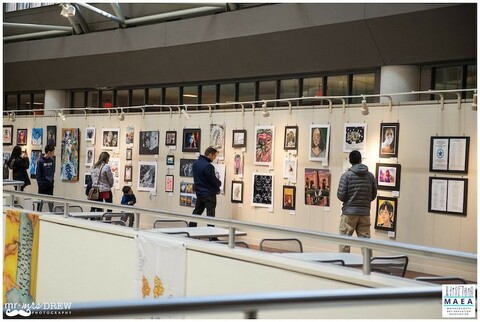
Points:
(11, 102)
(78, 99)
(172, 95)
(25, 103)
(363, 84)
(138, 97)
(313, 86)
(246, 92)
(227, 94)
(154, 96)
(107, 99)
(266, 90)
(289, 88)
(190, 94)
(209, 94)
(448, 78)
(122, 97)
(92, 100)
(471, 79)
(39, 100)
(337, 85)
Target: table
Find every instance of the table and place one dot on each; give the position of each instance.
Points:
(91, 214)
(16, 183)
(199, 232)
(348, 258)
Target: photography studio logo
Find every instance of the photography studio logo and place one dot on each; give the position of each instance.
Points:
(458, 301)
(45, 309)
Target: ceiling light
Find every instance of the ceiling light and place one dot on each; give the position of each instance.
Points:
(265, 112)
(11, 117)
(61, 116)
(364, 110)
(474, 103)
(67, 10)
(190, 95)
(186, 115)
(121, 116)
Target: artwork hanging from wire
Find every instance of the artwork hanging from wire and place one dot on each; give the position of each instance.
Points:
(262, 190)
(36, 154)
(37, 136)
(115, 167)
(289, 193)
(169, 182)
(110, 139)
(220, 174)
(291, 138)
(127, 174)
(217, 139)
(389, 140)
(319, 142)
(52, 135)
(239, 139)
(238, 164)
(89, 156)
(7, 134)
(449, 154)
(355, 137)
(317, 187)
(191, 140)
(386, 217)
(69, 161)
(6, 169)
(147, 176)
(388, 176)
(186, 167)
(188, 196)
(171, 138)
(129, 135)
(90, 135)
(22, 136)
(237, 191)
(290, 170)
(264, 144)
(149, 142)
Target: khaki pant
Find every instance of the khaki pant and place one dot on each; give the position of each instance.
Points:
(351, 223)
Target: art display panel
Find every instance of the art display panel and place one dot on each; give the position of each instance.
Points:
(449, 154)
(448, 195)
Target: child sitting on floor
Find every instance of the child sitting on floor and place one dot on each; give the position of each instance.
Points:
(128, 196)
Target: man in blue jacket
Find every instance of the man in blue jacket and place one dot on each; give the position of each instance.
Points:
(207, 185)
(357, 189)
(46, 173)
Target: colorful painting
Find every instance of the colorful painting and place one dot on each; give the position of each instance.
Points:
(6, 169)
(188, 196)
(264, 143)
(317, 187)
(289, 193)
(52, 135)
(355, 137)
(37, 136)
(217, 139)
(238, 164)
(114, 164)
(22, 136)
(36, 154)
(319, 142)
(386, 217)
(129, 135)
(7, 134)
(69, 161)
(110, 139)
(191, 140)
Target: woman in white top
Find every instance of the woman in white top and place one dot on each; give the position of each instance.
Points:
(102, 177)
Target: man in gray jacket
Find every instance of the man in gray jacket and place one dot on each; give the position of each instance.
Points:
(357, 189)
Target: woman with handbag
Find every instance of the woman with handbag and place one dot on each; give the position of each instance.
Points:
(102, 178)
(19, 163)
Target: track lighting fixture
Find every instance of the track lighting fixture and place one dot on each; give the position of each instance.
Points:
(61, 116)
(67, 10)
(121, 116)
(186, 115)
(474, 103)
(11, 116)
(265, 112)
(364, 110)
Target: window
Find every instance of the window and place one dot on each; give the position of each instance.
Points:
(267, 90)
(190, 95)
(448, 78)
(138, 97)
(92, 99)
(121, 99)
(363, 84)
(11, 102)
(337, 85)
(227, 94)
(107, 99)
(209, 94)
(471, 79)
(25, 102)
(154, 96)
(246, 92)
(38, 100)
(172, 95)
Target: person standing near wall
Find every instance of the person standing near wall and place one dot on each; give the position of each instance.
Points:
(102, 174)
(357, 189)
(19, 163)
(207, 185)
(46, 173)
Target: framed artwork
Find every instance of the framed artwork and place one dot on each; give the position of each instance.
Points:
(187, 194)
(127, 174)
(290, 170)
(237, 192)
(239, 139)
(319, 142)
(264, 145)
(36, 154)
(115, 167)
(317, 187)
(70, 158)
(449, 154)
(262, 190)
(354, 137)
(220, 174)
(448, 195)
(7, 135)
(389, 140)
(22, 136)
(128, 154)
(171, 138)
(186, 167)
(170, 160)
(110, 139)
(89, 156)
(289, 193)
(388, 176)
(129, 135)
(90, 135)
(37, 136)
(191, 140)
(238, 164)
(386, 216)
(86, 179)
(217, 139)
(149, 142)
(169, 182)
(147, 176)
(52, 135)
(290, 141)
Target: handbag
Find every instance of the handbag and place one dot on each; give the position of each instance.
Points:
(94, 192)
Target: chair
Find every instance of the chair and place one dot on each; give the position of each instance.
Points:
(333, 261)
(118, 218)
(441, 279)
(391, 265)
(241, 244)
(281, 245)
(169, 223)
(60, 208)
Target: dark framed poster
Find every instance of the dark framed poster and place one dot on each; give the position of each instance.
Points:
(191, 140)
(52, 135)
(239, 139)
(389, 140)
(171, 138)
(388, 176)
(237, 191)
(22, 136)
(386, 215)
(448, 195)
(289, 193)
(169, 182)
(449, 154)
(291, 138)
(7, 134)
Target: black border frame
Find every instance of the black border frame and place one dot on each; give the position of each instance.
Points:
(465, 196)
(397, 131)
(398, 171)
(295, 147)
(241, 193)
(293, 199)
(186, 132)
(395, 211)
(244, 139)
(175, 136)
(467, 153)
(11, 134)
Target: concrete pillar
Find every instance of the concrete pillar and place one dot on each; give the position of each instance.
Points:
(55, 99)
(399, 79)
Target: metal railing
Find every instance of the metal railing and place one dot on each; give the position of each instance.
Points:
(365, 244)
